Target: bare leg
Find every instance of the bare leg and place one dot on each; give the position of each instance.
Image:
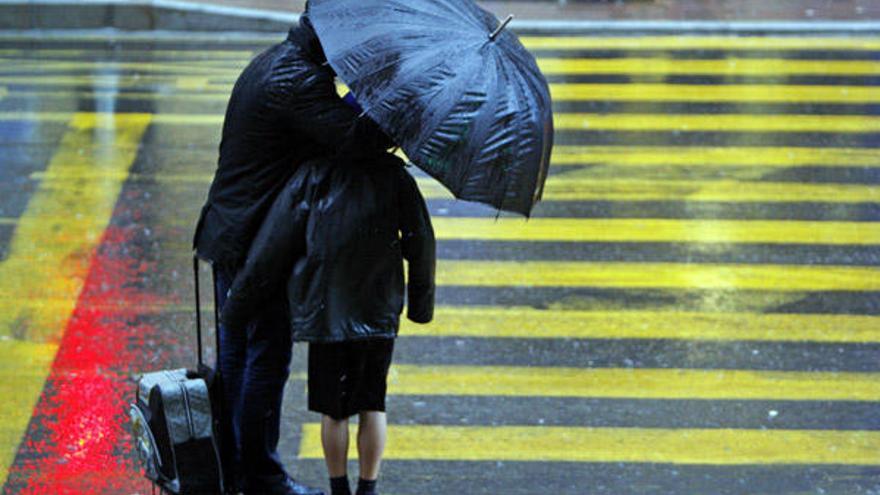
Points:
(372, 432)
(334, 439)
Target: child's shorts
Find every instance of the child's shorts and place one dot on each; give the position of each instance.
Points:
(346, 378)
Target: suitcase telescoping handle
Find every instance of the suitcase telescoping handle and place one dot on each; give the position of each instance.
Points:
(199, 310)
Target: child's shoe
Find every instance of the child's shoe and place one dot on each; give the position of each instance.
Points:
(366, 487)
(339, 486)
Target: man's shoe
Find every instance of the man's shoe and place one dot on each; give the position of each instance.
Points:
(287, 487)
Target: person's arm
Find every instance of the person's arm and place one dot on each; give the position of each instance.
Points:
(306, 100)
(419, 249)
(270, 259)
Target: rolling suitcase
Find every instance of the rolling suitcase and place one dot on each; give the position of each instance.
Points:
(174, 421)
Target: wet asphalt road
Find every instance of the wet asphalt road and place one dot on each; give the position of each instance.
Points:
(695, 308)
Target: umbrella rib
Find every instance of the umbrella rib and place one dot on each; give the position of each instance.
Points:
(388, 92)
(413, 56)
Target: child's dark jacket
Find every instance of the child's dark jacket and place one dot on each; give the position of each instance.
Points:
(337, 235)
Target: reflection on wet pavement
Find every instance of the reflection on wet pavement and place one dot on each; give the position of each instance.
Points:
(694, 308)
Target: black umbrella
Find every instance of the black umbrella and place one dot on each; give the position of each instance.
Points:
(461, 95)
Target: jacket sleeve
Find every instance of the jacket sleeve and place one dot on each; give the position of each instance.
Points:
(270, 259)
(419, 249)
(305, 97)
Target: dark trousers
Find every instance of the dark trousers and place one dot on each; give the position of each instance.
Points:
(254, 366)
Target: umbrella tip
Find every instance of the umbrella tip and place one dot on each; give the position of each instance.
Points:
(500, 27)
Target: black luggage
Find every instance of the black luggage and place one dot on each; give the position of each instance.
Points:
(174, 420)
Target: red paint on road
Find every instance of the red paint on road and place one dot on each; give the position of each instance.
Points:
(78, 442)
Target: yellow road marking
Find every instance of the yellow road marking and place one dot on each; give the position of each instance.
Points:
(627, 122)
(128, 95)
(8, 221)
(561, 188)
(532, 381)
(630, 122)
(526, 322)
(767, 156)
(104, 142)
(568, 92)
(717, 123)
(744, 93)
(551, 66)
(586, 188)
(636, 445)
(678, 42)
(658, 275)
(580, 188)
(657, 230)
(23, 369)
(158, 119)
(723, 67)
(49, 256)
(763, 156)
(626, 155)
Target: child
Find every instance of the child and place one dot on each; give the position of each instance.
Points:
(337, 234)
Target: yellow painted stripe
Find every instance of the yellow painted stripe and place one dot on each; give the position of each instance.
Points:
(580, 188)
(527, 322)
(638, 122)
(550, 66)
(763, 156)
(23, 369)
(631, 445)
(585, 188)
(626, 122)
(569, 92)
(678, 42)
(745, 93)
(107, 143)
(161, 119)
(49, 256)
(766, 156)
(717, 123)
(533, 381)
(657, 230)
(723, 67)
(561, 188)
(658, 275)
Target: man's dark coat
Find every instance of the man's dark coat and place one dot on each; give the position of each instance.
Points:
(284, 110)
(337, 234)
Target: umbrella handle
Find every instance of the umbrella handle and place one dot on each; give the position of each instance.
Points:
(499, 28)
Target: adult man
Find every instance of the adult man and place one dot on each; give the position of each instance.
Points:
(283, 111)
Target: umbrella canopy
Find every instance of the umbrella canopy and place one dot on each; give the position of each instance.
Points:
(469, 108)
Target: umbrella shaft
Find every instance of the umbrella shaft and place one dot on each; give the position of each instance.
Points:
(498, 30)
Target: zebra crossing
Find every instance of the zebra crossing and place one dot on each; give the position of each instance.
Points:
(692, 309)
